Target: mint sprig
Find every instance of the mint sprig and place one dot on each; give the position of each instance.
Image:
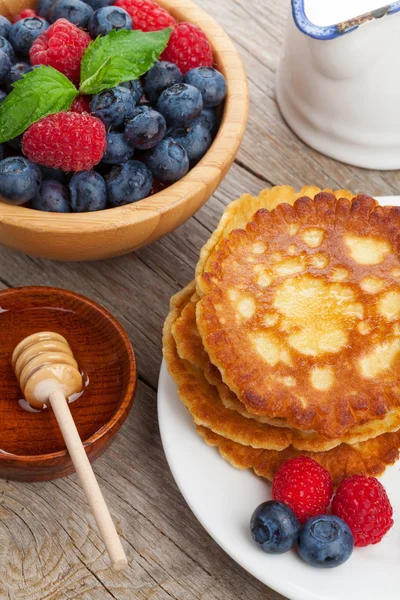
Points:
(120, 56)
(41, 92)
(117, 57)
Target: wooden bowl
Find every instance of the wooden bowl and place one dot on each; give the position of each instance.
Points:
(31, 446)
(116, 231)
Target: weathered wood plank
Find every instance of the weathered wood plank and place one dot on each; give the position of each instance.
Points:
(50, 544)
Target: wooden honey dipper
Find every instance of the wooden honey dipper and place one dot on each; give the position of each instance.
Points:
(48, 374)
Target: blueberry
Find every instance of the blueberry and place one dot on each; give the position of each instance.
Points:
(75, 11)
(196, 139)
(88, 192)
(209, 118)
(20, 179)
(5, 27)
(44, 8)
(127, 183)
(3, 96)
(24, 32)
(161, 76)
(55, 174)
(108, 18)
(325, 542)
(113, 106)
(52, 197)
(135, 87)
(6, 47)
(16, 143)
(145, 129)
(142, 108)
(210, 82)
(2, 151)
(96, 4)
(18, 70)
(168, 161)
(180, 104)
(274, 527)
(5, 65)
(118, 150)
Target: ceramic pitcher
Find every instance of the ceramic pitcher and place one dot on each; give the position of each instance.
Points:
(338, 84)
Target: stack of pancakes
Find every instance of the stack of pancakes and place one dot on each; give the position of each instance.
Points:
(288, 340)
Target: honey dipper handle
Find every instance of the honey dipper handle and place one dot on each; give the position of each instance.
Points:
(88, 480)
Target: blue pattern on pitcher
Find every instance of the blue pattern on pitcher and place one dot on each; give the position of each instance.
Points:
(333, 31)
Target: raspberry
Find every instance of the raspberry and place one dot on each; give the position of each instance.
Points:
(146, 14)
(27, 12)
(363, 503)
(62, 47)
(304, 485)
(81, 104)
(188, 48)
(67, 140)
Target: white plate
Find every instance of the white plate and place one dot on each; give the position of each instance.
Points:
(223, 499)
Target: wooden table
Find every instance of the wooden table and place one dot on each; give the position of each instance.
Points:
(49, 546)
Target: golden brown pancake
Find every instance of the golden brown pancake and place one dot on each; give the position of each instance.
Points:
(369, 458)
(190, 347)
(201, 398)
(239, 212)
(300, 312)
(236, 424)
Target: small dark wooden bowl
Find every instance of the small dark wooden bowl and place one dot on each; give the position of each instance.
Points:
(31, 445)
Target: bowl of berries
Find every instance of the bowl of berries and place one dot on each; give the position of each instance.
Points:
(118, 120)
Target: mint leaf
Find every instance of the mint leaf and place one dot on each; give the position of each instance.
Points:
(120, 56)
(39, 93)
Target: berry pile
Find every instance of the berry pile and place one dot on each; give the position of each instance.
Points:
(301, 491)
(123, 143)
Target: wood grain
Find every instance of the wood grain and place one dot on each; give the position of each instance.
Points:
(46, 545)
(116, 231)
(32, 446)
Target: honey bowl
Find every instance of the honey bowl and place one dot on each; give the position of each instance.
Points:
(31, 445)
(116, 231)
